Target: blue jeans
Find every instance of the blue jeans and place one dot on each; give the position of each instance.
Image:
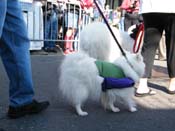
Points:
(14, 51)
(51, 30)
(121, 24)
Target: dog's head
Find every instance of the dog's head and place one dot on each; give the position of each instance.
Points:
(133, 66)
(137, 63)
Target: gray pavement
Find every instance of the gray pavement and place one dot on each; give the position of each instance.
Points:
(155, 113)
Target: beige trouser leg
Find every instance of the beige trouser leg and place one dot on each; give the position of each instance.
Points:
(162, 48)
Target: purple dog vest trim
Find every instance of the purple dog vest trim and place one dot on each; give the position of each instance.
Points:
(117, 83)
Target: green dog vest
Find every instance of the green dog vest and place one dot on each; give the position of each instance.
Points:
(107, 69)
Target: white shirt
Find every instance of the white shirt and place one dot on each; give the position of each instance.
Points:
(157, 6)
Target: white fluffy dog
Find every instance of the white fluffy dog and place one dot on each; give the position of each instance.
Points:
(97, 41)
(79, 80)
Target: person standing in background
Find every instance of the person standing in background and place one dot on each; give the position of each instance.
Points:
(122, 19)
(97, 16)
(158, 16)
(72, 22)
(130, 10)
(71, 16)
(50, 11)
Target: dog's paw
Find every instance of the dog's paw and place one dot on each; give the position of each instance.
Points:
(80, 112)
(83, 113)
(133, 109)
(115, 109)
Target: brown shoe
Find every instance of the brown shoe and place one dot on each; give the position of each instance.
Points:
(32, 108)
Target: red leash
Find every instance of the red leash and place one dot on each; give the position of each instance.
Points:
(139, 38)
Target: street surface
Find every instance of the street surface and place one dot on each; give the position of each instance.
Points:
(155, 113)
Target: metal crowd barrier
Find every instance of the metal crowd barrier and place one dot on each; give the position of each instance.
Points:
(35, 20)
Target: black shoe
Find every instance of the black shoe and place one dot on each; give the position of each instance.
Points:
(50, 49)
(32, 108)
(54, 49)
(46, 49)
(171, 92)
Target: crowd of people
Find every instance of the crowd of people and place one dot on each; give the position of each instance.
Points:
(62, 21)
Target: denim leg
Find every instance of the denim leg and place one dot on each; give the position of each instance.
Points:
(15, 55)
(121, 24)
(3, 9)
(51, 30)
(54, 29)
(47, 26)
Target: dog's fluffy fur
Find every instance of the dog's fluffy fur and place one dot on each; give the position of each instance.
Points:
(80, 80)
(97, 41)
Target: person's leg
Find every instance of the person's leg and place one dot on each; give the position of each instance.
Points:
(14, 50)
(3, 9)
(162, 48)
(68, 41)
(151, 42)
(171, 87)
(72, 24)
(51, 33)
(170, 43)
(54, 28)
(136, 19)
(127, 23)
(15, 55)
(67, 34)
(76, 29)
(47, 28)
(121, 24)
